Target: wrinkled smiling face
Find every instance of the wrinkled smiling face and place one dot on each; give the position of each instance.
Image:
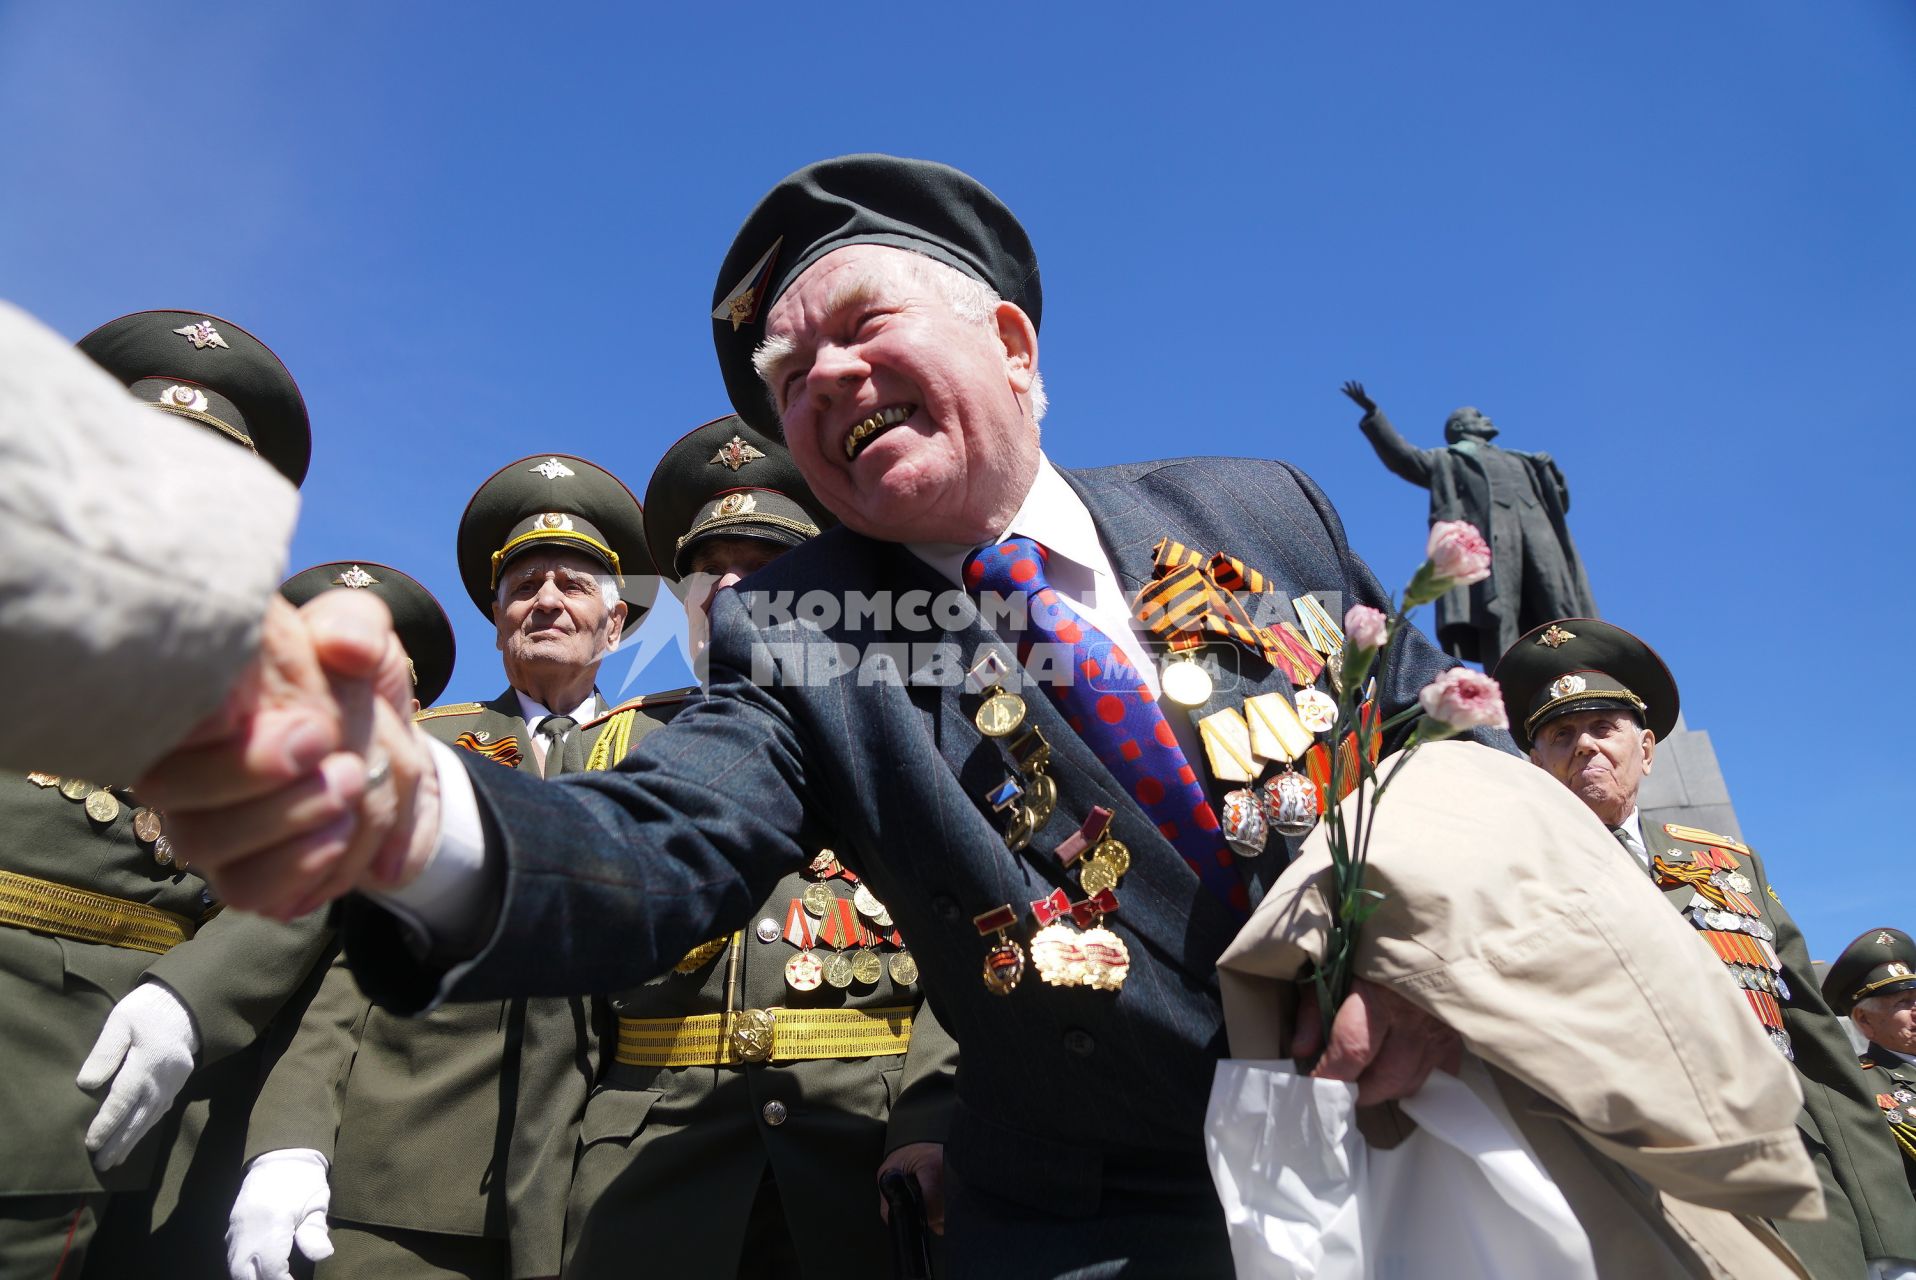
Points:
(907, 420)
(1890, 1021)
(1603, 756)
(550, 612)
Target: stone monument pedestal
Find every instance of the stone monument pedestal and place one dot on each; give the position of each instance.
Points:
(1686, 785)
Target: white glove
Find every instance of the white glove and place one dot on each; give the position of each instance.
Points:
(146, 1049)
(282, 1203)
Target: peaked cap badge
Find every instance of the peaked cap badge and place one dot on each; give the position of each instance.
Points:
(355, 577)
(1556, 637)
(735, 453)
(178, 397)
(552, 469)
(202, 335)
(1882, 938)
(735, 504)
(556, 520)
(740, 306)
(1567, 685)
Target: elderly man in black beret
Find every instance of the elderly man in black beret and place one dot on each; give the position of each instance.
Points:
(1049, 836)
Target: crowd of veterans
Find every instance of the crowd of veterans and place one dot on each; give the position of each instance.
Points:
(763, 977)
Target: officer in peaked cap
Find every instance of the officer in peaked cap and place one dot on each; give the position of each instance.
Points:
(449, 1152)
(555, 500)
(131, 1028)
(212, 372)
(424, 630)
(1874, 982)
(767, 1165)
(1589, 701)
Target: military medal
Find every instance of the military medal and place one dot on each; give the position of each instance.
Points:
(904, 968)
(818, 899)
(803, 972)
(1095, 876)
(102, 806)
(1317, 710)
(867, 968)
(39, 779)
(1004, 962)
(1184, 681)
(163, 851)
(867, 902)
(825, 865)
(1002, 711)
(1096, 823)
(1276, 732)
(1056, 955)
(838, 970)
(1245, 828)
(146, 824)
(1107, 961)
(76, 788)
(1227, 746)
(767, 929)
(1290, 804)
(1008, 797)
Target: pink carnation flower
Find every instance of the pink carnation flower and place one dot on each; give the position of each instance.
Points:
(1458, 553)
(1365, 627)
(1464, 699)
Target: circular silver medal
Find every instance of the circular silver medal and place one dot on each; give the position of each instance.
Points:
(767, 929)
(1244, 827)
(1739, 882)
(1185, 682)
(1290, 804)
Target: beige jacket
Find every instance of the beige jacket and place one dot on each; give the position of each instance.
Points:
(137, 554)
(1631, 1062)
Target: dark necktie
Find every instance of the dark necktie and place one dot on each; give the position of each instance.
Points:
(1110, 707)
(1633, 845)
(553, 729)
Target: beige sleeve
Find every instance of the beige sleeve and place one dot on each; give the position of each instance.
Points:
(137, 555)
(1511, 915)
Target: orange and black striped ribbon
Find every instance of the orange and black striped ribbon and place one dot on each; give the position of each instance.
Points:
(1190, 595)
(1317, 760)
(505, 751)
(1695, 874)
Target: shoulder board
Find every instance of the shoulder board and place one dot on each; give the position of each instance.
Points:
(644, 700)
(450, 709)
(1697, 835)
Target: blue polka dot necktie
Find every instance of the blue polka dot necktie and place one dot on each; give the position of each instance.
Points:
(1108, 705)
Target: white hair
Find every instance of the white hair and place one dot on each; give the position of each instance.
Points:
(608, 589)
(1873, 1005)
(972, 301)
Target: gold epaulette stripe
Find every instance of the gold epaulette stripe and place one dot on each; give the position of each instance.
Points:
(1697, 835)
(451, 709)
(797, 1035)
(65, 912)
(646, 700)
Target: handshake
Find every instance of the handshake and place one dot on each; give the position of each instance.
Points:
(309, 780)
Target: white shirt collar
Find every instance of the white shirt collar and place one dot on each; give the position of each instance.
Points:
(534, 711)
(1052, 514)
(1634, 825)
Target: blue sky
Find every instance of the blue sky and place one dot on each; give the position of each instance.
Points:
(1669, 244)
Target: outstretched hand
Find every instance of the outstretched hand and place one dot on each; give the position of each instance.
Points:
(1355, 390)
(305, 782)
(1381, 1041)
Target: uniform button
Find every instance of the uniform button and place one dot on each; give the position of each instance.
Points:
(767, 929)
(1079, 1042)
(946, 907)
(774, 1112)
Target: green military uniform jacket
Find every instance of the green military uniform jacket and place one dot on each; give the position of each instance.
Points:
(1894, 1079)
(461, 1121)
(233, 975)
(671, 1158)
(1871, 1214)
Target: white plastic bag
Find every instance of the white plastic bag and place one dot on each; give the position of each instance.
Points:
(1306, 1198)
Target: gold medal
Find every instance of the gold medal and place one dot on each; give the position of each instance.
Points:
(1001, 713)
(76, 788)
(752, 1035)
(818, 899)
(1004, 966)
(867, 968)
(839, 970)
(803, 972)
(1095, 876)
(1185, 682)
(1041, 798)
(101, 806)
(44, 779)
(1112, 852)
(147, 824)
(1018, 834)
(904, 969)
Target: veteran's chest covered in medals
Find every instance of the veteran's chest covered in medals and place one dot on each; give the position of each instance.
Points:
(1718, 886)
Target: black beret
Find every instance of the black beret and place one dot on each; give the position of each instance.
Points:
(921, 205)
(1582, 664)
(213, 372)
(555, 499)
(726, 479)
(1880, 963)
(424, 630)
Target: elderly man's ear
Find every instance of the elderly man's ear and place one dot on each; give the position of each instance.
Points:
(1020, 340)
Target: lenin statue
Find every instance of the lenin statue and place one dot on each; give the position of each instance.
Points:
(1519, 502)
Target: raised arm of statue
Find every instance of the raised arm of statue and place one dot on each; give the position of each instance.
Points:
(1400, 455)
